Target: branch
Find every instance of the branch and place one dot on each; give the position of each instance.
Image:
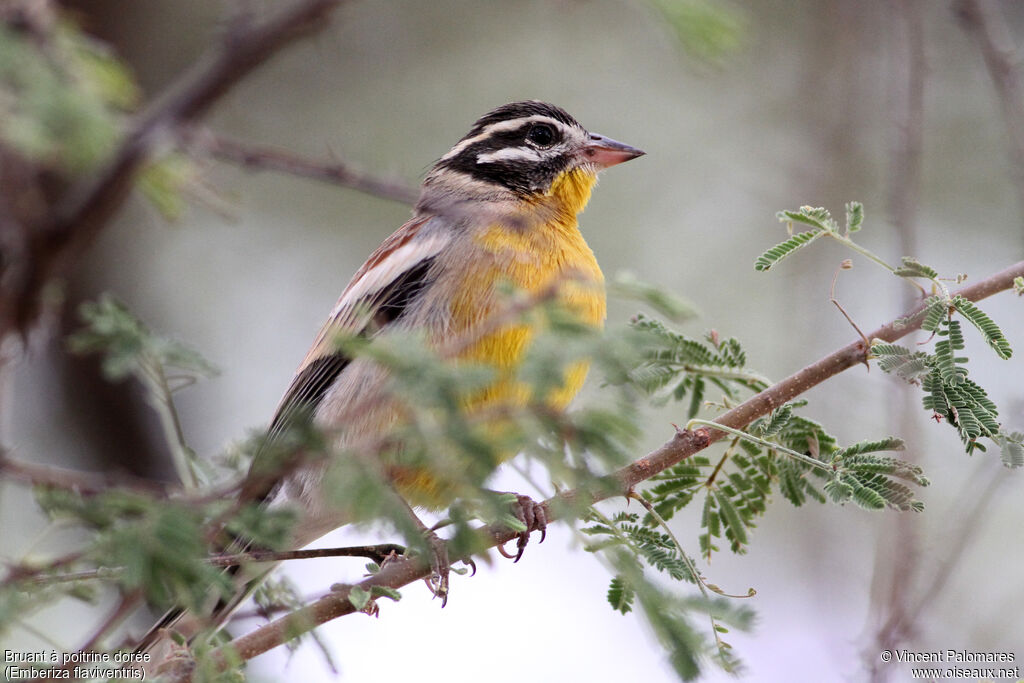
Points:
(404, 570)
(983, 20)
(261, 158)
(893, 581)
(85, 483)
(54, 247)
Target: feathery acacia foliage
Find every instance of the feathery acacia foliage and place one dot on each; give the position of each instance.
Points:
(128, 533)
(62, 108)
(949, 392)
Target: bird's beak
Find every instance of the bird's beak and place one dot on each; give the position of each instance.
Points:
(605, 152)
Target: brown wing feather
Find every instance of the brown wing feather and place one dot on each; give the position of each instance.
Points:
(377, 295)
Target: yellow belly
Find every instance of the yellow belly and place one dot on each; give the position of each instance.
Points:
(530, 259)
(530, 262)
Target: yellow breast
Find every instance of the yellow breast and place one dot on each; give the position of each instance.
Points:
(529, 256)
(532, 256)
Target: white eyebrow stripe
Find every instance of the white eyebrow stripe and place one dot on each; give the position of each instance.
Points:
(500, 126)
(508, 154)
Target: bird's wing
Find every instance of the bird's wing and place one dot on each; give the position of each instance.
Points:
(377, 295)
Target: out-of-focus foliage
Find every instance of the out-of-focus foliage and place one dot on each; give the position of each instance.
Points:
(62, 97)
(708, 31)
(131, 533)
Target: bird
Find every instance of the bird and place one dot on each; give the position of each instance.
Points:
(499, 208)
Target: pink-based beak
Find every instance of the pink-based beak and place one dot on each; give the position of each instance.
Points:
(605, 152)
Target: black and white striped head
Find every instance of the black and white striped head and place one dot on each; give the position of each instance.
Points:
(523, 147)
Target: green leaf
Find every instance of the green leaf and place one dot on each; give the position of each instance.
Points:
(816, 216)
(626, 285)
(945, 358)
(993, 335)
(854, 216)
(775, 421)
(935, 310)
(895, 494)
(127, 345)
(708, 31)
(677, 636)
(358, 597)
(906, 364)
(780, 251)
(163, 183)
(732, 522)
(1012, 449)
(621, 595)
(102, 72)
(159, 546)
(1018, 285)
(890, 443)
(696, 397)
(865, 496)
(838, 490)
(385, 592)
(913, 268)
(878, 464)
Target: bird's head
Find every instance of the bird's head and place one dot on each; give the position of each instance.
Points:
(527, 151)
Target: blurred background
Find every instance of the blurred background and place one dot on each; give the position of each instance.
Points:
(743, 109)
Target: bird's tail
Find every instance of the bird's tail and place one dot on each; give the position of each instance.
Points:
(179, 625)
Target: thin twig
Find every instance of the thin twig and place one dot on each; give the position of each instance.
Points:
(124, 608)
(373, 552)
(845, 265)
(262, 158)
(161, 399)
(683, 444)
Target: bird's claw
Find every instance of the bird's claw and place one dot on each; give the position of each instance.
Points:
(439, 565)
(534, 517)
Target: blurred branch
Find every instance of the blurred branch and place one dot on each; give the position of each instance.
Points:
(900, 624)
(52, 248)
(261, 158)
(44, 575)
(683, 444)
(895, 578)
(983, 20)
(908, 96)
(122, 610)
(85, 483)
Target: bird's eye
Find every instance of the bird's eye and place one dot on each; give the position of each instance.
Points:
(541, 135)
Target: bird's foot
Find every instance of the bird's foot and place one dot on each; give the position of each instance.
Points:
(534, 517)
(439, 565)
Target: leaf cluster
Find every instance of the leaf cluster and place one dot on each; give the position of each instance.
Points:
(737, 490)
(62, 98)
(949, 392)
(129, 347)
(821, 224)
(673, 366)
(631, 547)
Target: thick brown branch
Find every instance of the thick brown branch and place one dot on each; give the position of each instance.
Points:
(682, 445)
(261, 158)
(52, 248)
